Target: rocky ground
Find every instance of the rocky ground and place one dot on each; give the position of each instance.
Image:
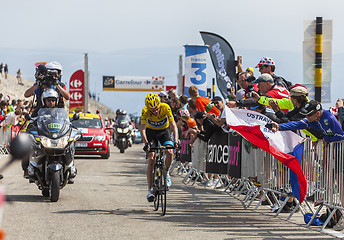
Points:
(11, 87)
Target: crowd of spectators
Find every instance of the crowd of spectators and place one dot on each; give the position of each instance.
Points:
(12, 111)
(287, 105)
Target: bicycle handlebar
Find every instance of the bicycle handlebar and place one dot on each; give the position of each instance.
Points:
(162, 147)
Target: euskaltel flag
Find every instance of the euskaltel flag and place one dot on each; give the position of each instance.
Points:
(286, 146)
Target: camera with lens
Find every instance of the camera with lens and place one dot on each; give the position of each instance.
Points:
(46, 76)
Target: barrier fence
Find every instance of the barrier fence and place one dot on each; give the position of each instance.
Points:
(7, 133)
(245, 169)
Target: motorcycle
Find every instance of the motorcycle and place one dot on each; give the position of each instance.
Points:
(51, 159)
(123, 134)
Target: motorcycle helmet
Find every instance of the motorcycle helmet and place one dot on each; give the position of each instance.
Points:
(123, 112)
(49, 93)
(152, 101)
(118, 111)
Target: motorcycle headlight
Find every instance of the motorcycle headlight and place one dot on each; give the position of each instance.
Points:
(119, 130)
(100, 138)
(125, 130)
(54, 143)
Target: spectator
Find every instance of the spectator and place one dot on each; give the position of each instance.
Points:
(202, 103)
(163, 97)
(20, 82)
(339, 105)
(172, 94)
(267, 65)
(1, 95)
(19, 104)
(250, 71)
(208, 128)
(175, 106)
(218, 103)
(1, 68)
(190, 125)
(192, 107)
(316, 118)
(6, 70)
(184, 101)
(266, 87)
(19, 116)
(3, 106)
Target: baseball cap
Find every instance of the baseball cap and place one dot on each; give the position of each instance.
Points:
(298, 91)
(162, 94)
(310, 108)
(265, 77)
(7, 98)
(266, 61)
(216, 99)
(249, 69)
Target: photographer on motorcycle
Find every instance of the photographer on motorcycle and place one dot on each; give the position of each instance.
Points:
(48, 76)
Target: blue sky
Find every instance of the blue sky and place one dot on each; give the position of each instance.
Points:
(145, 38)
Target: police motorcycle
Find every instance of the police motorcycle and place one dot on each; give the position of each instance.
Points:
(51, 159)
(123, 132)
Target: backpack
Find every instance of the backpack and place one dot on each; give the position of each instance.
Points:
(335, 218)
(282, 82)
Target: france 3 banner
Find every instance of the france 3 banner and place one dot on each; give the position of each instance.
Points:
(76, 90)
(223, 59)
(224, 154)
(133, 83)
(195, 68)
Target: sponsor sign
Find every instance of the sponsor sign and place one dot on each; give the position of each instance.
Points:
(223, 59)
(185, 151)
(127, 83)
(195, 68)
(224, 154)
(76, 90)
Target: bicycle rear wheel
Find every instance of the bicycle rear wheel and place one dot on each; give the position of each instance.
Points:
(156, 187)
(163, 190)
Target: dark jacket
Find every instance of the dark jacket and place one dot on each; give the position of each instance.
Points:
(209, 129)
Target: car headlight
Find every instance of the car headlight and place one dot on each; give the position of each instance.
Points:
(54, 143)
(100, 138)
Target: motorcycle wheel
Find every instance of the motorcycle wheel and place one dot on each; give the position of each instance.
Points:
(45, 192)
(55, 186)
(121, 150)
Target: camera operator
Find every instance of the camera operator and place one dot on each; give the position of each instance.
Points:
(48, 76)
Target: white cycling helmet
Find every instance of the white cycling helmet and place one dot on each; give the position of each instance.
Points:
(54, 66)
(49, 93)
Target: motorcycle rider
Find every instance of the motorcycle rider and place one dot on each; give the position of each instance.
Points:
(48, 76)
(50, 99)
(124, 117)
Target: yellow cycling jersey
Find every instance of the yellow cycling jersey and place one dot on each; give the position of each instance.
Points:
(157, 122)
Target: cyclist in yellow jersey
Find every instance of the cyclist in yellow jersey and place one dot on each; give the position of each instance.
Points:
(156, 119)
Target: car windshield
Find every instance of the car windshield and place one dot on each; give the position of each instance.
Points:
(87, 123)
(46, 114)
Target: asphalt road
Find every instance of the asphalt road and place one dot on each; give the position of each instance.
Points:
(108, 201)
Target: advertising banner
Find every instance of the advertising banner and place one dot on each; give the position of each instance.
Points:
(223, 59)
(76, 90)
(128, 83)
(195, 68)
(185, 151)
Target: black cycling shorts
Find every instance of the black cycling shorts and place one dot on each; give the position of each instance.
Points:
(159, 136)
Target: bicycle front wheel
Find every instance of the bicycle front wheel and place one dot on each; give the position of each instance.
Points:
(156, 188)
(163, 191)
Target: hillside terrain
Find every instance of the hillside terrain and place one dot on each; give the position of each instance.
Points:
(11, 87)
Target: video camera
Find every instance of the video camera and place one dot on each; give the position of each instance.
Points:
(46, 76)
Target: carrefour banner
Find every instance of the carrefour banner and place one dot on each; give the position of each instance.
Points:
(195, 68)
(127, 83)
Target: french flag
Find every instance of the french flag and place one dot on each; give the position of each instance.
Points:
(286, 146)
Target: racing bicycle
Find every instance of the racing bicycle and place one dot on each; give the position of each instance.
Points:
(160, 187)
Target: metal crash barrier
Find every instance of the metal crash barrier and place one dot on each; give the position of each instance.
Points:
(5, 139)
(245, 170)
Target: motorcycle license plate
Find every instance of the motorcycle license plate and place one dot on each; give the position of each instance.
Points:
(81, 144)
